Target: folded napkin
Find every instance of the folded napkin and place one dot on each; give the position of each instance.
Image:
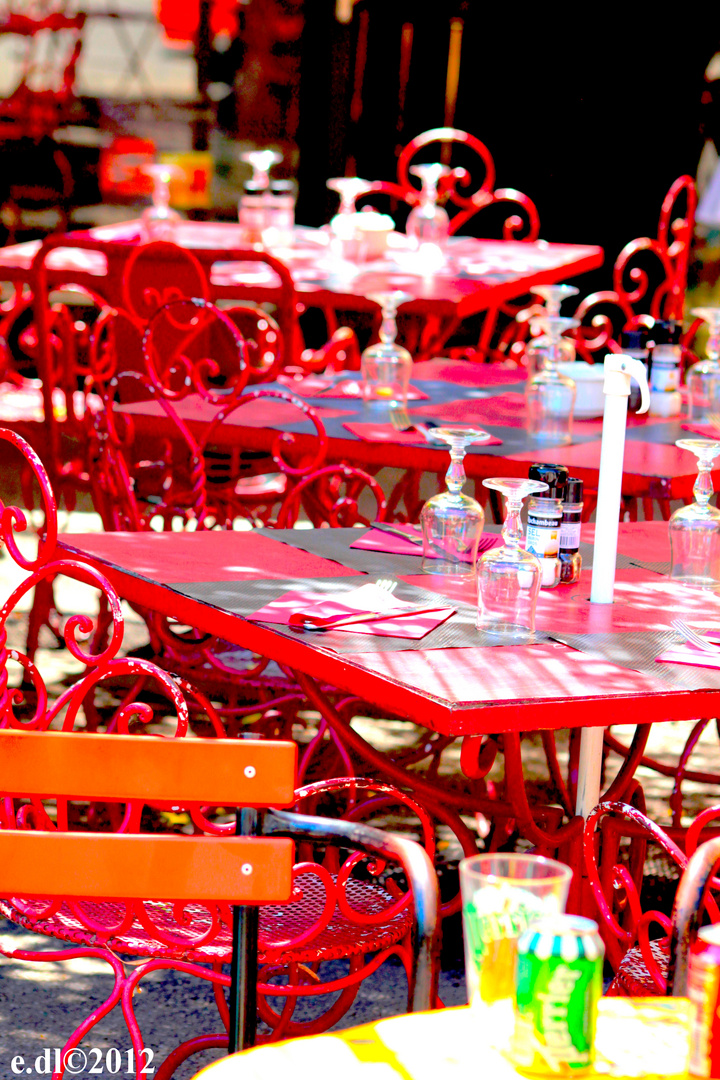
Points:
(365, 600)
(378, 540)
(310, 386)
(690, 654)
(353, 388)
(386, 433)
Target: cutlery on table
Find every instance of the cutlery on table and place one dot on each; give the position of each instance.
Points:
(694, 638)
(401, 421)
(300, 621)
(383, 526)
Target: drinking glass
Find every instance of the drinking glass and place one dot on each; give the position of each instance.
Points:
(553, 295)
(349, 188)
(159, 221)
(550, 395)
(703, 378)
(254, 206)
(695, 529)
(428, 223)
(385, 366)
(501, 895)
(508, 577)
(261, 162)
(452, 523)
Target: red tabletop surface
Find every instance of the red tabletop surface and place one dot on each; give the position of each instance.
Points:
(479, 274)
(454, 690)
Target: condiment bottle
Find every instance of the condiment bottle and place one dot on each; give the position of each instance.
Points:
(634, 343)
(544, 520)
(665, 399)
(569, 552)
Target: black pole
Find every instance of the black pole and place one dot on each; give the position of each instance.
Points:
(243, 967)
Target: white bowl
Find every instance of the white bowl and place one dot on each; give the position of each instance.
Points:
(589, 379)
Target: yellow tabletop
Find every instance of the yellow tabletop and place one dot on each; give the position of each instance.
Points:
(637, 1039)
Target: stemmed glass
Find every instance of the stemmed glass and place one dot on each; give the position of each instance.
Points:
(428, 223)
(452, 523)
(550, 395)
(385, 366)
(703, 378)
(695, 529)
(508, 577)
(553, 295)
(261, 162)
(349, 188)
(159, 221)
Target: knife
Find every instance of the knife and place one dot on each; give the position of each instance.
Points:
(382, 526)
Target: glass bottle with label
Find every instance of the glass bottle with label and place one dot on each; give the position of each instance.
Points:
(545, 514)
(569, 553)
(665, 399)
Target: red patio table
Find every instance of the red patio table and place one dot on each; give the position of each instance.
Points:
(485, 395)
(480, 274)
(592, 664)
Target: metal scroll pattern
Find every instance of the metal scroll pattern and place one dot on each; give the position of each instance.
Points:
(649, 278)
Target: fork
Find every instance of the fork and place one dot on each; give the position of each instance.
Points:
(693, 637)
(401, 421)
(298, 621)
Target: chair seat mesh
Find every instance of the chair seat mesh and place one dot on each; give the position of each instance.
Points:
(633, 978)
(188, 933)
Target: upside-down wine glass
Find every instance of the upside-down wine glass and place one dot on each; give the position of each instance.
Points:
(703, 378)
(452, 523)
(553, 295)
(385, 366)
(254, 205)
(349, 188)
(508, 577)
(159, 221)
(695, 529)
(428, 223)
(550, 395)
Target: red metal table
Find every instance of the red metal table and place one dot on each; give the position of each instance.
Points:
(480, 273)
(482, 394)
(472, 691)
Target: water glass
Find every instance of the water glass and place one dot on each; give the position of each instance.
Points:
(501, 895)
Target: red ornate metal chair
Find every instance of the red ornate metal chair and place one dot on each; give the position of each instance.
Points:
(41, 184)
(649, 278)
(615, 876)
(467, 191)
(45, 93)
(102, 893)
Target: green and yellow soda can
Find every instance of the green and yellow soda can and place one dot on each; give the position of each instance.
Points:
(558, 984)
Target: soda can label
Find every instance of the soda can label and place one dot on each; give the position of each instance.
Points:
(559, 983)
(704, 993)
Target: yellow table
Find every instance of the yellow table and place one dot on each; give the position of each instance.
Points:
(644, 1038)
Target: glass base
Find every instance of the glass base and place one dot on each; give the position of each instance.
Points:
(696, 581)
(512, 633)
(448, 568)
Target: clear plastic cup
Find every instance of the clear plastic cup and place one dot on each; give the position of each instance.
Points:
(501, 895)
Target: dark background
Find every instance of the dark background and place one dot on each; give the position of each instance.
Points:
(593, 121)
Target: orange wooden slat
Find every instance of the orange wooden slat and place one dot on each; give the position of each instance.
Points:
(237, 869)
(222, 772)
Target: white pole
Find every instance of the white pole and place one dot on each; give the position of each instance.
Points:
(619, 370)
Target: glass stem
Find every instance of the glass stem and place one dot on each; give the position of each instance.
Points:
(512, 530)
(455, 476)
(388, 330)
(703, 486)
